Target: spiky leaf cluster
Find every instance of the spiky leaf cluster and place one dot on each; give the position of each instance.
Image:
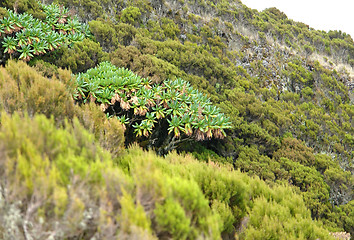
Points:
(26, 36)
(187, 111)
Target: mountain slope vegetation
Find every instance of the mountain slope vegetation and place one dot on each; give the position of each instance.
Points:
(284, 169)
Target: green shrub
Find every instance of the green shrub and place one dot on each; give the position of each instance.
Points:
(53, 177)
(172, 219)
(231, 195)
(24, 89)
(82, 56)
(109, 132)
(271, 220)
(130, 15)
(163, 190)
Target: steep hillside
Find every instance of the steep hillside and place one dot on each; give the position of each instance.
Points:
(168, 40)
(286, 88)
(64, 175)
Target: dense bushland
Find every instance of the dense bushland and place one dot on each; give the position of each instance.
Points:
(292, 125)
(58, 182)
(269, 94)
(24, 89)
(54, 171)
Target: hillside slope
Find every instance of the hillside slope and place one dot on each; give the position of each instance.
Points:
(287, 88)
(62, 177)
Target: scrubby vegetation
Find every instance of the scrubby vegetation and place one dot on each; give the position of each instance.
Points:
(58, 182)
(275, 153)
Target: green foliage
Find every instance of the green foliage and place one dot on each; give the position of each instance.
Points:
(45, 169)
(317, 176)
(31, 6)
(122, 93)
(24, 36)
(271, 211)
(132, 214)
(108, 131)
(26, 141)
(60, 175)
(348, 217)
(82, 56)
(269, 91)
(130, 15)
(146, 65)
(299, 73)
(226, 215)
(108, 35)
(24, 89)
(170, 29)
(172, 218)
(267, 217)
(179, 206)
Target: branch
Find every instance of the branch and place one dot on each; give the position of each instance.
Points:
(31, 207)
(172, 144)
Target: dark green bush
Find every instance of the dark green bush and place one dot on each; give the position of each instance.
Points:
(82, 56)
(130, 15)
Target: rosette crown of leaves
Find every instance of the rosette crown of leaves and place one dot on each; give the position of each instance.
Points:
(24, 36)
(187, 111)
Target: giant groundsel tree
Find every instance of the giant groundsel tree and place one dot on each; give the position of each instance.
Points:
(24, 36)
(160, 115)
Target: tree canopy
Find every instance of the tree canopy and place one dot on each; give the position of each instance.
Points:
(165, 113)
(25, 36)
